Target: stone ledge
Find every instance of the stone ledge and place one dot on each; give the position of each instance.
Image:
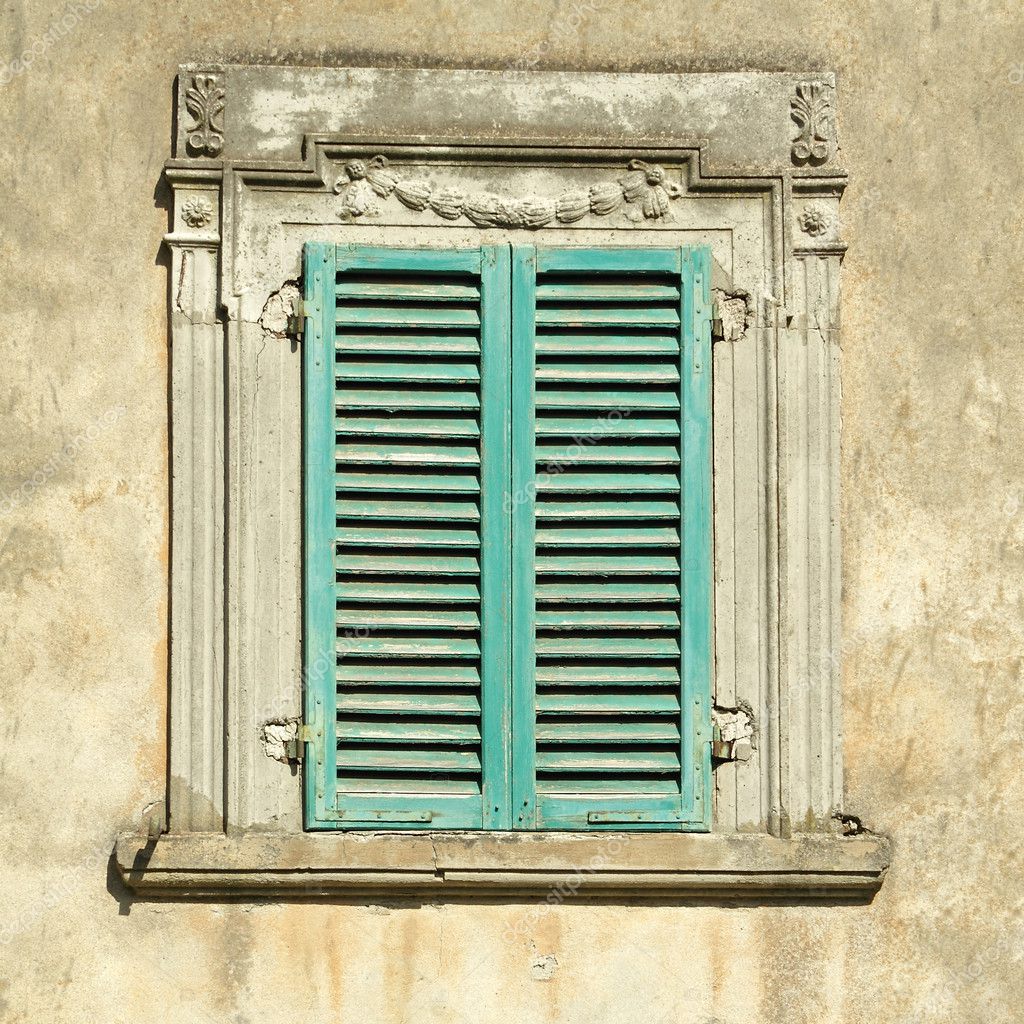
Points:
(396, 864)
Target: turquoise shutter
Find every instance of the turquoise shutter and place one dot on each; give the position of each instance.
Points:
(611, 538)
(406, 441)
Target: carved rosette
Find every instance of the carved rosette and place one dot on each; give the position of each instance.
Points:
(815, 220)
(197, 212)
(643, 191)
(204, 100)
(811, 112)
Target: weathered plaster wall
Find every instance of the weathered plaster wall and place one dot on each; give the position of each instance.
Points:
(931, 99)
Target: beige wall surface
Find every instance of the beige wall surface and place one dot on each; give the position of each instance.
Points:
(931, 103)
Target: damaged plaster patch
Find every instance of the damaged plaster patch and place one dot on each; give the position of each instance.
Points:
(275, 735)
(736, 727)
(735, 310)
(543, 966)
(278, 307)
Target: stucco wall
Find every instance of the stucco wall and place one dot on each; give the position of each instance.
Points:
(931, 97)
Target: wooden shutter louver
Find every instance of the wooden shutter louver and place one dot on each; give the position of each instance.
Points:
(612, 592)
(417, 631)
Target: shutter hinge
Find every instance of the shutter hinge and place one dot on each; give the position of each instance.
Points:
(729, 750)
(717, 327)
(297, 320)
(295, 748)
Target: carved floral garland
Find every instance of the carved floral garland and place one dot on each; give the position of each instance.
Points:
(643, 190)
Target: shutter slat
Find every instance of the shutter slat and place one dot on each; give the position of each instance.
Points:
(411, 399)
(407, 731)
(622, 762)
(608, 454)
(379, 785)
(613, 343)
(408, 343)
(399, 483)
(398, 536)
(557, 535)
(389, 426)
(645, 617)
(616, 703)
(401, 564)
(549, 507)
(600, 316)
(605, 398)
(406, 370)
(397, 703)
(625, 792)
(588, 483)
(410, 510)
(430, 761)
(355, 646)
(609, 732)
(405, 290)
(435, 673)
(607, 565)
(458, 592)
(644, 372)
(634, 592)
(397, 454)
(595, 428)
(407, 316)
(587, 646)
(409, 618)
(608, 291)
(637, 674)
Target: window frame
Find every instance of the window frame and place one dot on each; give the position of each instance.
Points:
(733, 148)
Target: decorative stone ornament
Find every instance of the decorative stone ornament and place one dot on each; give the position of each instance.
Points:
(811, 111)
(815, 220)
(643, 189)
(197, 212)
(204, 100)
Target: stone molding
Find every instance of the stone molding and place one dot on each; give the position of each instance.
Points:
(337, 153)
(394, 865)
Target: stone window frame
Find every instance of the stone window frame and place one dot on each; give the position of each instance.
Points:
(266, 157)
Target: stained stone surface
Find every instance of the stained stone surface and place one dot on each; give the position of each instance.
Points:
(932, 521)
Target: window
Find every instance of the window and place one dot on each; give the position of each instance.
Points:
(507, 560)
(362, 157)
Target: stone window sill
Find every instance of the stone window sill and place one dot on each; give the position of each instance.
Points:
(292, 866)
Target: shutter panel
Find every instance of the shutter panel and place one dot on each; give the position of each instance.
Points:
(406, 442)
(611, 538)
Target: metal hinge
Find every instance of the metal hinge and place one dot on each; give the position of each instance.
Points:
(297, 321)
(296, 748)
(717, 327)
(729, 750)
